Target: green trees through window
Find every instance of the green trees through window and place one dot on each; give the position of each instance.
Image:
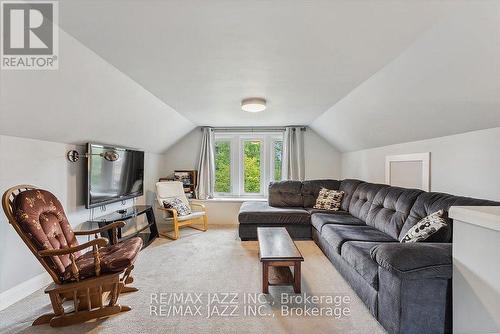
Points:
(251, 166)
(223, 166)
(277, 156)
(245, 164)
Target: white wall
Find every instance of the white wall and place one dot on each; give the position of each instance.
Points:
(322, 160)
(465, 164)
(183, 154)
(44, 164)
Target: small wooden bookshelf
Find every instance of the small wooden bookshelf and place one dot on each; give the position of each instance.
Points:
(189, 179)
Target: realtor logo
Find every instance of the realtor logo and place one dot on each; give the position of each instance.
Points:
(29, 33)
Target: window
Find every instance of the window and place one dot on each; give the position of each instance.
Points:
(245, 163)
(223, 166)
(252, 166)
(277, 158)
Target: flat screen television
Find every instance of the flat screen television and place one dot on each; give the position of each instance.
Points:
(113, 174)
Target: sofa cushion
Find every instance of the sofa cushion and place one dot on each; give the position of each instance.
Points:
(337, 235)
(420, 260)
(329, 199)
(310, 190)
(263, 213)
(362, 199)
(319, 220)
(357, 254)
(313, 211)
(348, 186)
(425, 228)
(286, 194)
(390, 208)
(430, 202)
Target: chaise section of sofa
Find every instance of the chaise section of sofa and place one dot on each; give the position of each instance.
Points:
(296, 220)
(290, 205)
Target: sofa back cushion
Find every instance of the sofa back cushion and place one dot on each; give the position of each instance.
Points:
(390, 208)
(311, 188)
(430, 202)
(286, 194)
(348, 186)
(362, 199)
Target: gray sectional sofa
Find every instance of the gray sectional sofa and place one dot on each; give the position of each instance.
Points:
(406, 286)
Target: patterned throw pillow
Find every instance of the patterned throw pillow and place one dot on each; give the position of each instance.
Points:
(329, 199)
(175, 203)
(425, 227)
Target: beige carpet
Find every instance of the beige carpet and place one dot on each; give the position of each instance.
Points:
(216, 263)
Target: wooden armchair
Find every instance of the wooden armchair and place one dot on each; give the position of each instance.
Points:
(174, 189)
(92, 280)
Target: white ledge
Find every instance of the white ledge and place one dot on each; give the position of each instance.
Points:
(484, 216)
(231, 199)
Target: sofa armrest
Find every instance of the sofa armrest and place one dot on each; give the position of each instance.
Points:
(415, 260)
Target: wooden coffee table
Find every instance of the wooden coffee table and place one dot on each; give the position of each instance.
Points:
(278, 253)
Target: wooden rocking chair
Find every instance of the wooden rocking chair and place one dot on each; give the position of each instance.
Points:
(93, 280)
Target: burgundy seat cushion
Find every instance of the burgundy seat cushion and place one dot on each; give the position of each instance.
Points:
(114, 258)
(41, 217)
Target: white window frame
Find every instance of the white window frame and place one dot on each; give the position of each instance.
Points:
(237, 140)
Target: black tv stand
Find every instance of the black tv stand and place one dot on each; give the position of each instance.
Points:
(147, 232)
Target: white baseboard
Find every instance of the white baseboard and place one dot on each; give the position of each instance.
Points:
(23, 290)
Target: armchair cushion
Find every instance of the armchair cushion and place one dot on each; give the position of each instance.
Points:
(41, 217)
(192, 215)
(114, 258)
(178, 205)
(415, 260)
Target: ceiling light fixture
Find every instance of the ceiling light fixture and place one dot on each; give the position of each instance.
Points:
(253, 104)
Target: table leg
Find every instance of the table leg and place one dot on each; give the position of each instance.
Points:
(296, 277)
(265, 277)
(150, 215)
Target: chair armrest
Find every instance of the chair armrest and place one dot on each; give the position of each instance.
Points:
(100, 242)
(202, 206)
(415, 260)
(101, 229)
(173, 212)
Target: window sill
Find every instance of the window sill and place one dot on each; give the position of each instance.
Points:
(232, 199)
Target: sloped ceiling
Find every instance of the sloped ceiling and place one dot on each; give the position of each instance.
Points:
(360, 73)
(447, 82)
(87, 99)
(203, 57)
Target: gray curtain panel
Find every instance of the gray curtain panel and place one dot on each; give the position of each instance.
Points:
(293, 154)
(206, 166)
